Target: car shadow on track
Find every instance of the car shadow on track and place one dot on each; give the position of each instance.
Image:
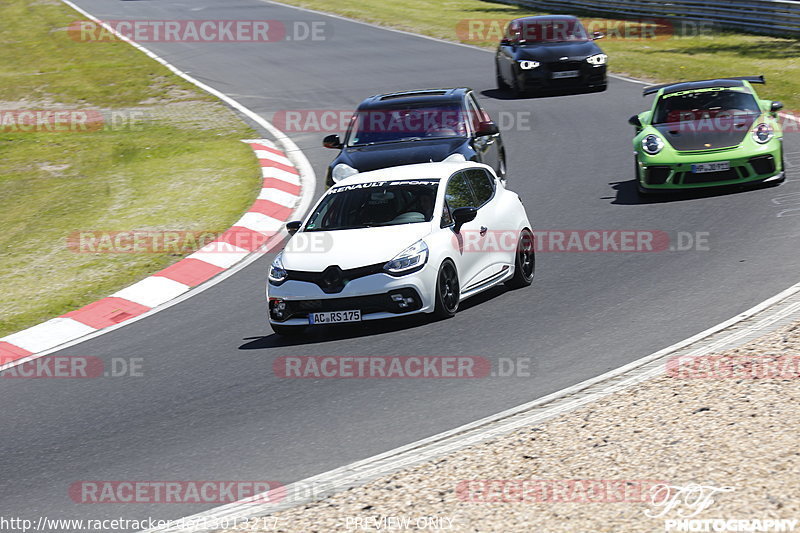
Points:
(320, 334)
(498, 94)
(627, 194)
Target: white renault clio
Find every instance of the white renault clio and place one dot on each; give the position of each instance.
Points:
(399, 241)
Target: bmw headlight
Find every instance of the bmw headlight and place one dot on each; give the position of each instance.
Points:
(454, 158)
(528, 65)
(342, 171)
(763, 133)
(597, 59)
(277, 274)
(409, 260)
(652, 144)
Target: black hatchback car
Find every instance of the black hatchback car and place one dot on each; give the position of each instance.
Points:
(416, 127)
(550, 52)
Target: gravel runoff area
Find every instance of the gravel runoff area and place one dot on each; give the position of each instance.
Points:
(722, 437)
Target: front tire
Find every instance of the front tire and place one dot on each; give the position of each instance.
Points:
(447, 291)
(501, 172)
(524, 262)
(516, 88)
(287, 331)
(501, 83)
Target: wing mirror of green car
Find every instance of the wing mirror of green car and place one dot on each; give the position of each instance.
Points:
(776, 106)
(634, 121)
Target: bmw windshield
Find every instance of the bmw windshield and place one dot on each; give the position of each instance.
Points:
(704, 104)
(380, 203)
(375, 126)
(547, 31)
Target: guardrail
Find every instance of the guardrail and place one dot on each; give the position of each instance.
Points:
(775, 17)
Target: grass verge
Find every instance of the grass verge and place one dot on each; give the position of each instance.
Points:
(165, 157)
(697, 54)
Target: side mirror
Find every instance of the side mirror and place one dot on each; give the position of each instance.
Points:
(487, 128)
(597, 35)
(776, 106)
(505, 42)
(634, 121)
(332, 141)
(293, 226)
(462, 215)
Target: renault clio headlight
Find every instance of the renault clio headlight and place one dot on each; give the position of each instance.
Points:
(454, 158)
(277, 274)
(342, 171)
(409, 260)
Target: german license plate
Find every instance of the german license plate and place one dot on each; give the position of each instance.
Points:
(566, 74)
(700, 168)
(335, 317)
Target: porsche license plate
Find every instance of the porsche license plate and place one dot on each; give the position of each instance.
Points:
(700, 168)
(335, 317)
(566, 74)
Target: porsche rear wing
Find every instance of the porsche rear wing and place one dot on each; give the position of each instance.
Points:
(655, 88)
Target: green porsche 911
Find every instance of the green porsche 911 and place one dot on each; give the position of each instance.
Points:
(707, 133)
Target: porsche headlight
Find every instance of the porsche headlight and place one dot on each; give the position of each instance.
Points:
(409, 260)
(454, 158)
(597, 59)
(652, 144)
(763, 133)
(528, 65)
(277, 274)
(342, 171)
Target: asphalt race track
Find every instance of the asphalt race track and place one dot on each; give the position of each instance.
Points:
(209, 407)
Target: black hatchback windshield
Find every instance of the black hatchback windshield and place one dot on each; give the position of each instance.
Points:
(382, 203)
(395, 124)
(547, 31)
(705, 104)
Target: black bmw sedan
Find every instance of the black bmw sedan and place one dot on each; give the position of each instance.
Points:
(549, 52)
(417, 126)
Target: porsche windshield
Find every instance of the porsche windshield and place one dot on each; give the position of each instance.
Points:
(704, 104)
(366, 205)
(395, 124)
